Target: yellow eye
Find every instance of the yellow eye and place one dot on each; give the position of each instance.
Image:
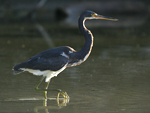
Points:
(94, 15)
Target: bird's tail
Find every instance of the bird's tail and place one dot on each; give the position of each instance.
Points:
(17, 68)
(17, 71)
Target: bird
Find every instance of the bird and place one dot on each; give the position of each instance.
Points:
(51, 62)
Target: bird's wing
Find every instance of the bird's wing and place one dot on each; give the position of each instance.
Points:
(53, 63)
(42, 63)
(52, 59)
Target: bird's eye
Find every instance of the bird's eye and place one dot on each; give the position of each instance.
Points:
(93, 15)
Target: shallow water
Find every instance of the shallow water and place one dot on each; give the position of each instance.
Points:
(115, 78)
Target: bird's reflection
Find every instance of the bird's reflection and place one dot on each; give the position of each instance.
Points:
(61, 102)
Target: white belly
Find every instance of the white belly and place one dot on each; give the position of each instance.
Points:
(47, 73)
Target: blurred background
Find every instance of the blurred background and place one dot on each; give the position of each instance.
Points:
(115, 78)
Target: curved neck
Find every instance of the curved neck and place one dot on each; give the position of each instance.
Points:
(77, 58)
(81, 24)
(86, 50)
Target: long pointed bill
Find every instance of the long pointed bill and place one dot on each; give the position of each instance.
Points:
(105, 18)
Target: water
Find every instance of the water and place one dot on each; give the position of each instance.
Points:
(115, 78)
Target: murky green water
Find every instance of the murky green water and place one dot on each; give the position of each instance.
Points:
(115, 78)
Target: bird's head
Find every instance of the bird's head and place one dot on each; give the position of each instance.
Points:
(93, 15)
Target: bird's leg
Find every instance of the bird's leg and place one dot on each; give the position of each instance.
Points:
(64, 94)
(45, 92)
(37, 86)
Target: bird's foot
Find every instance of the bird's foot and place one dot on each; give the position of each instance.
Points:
(64, 94)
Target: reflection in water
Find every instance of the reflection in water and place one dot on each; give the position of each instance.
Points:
(61, 102)
(45, 107)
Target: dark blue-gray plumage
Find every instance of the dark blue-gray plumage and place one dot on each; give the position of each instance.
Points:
(50, 63)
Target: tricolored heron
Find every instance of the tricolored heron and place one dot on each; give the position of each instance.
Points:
(51, 62)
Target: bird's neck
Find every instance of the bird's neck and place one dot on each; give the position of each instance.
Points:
(86, 50)
(78, 57)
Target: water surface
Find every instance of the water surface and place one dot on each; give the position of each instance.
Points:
(115, 78)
